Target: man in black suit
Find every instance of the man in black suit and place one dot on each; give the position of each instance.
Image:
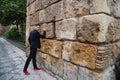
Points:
(34, 41)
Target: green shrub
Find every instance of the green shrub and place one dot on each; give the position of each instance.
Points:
(14, 34)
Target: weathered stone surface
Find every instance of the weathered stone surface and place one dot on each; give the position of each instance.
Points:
(31, 8)
(41, 4)
(116, 50)
(98, 28)
(57, 66)
(113, 31)
(66, 29)
(76, 8)
(54, 64)
(114, 6)
(52, 47)
(42, 16)
(78, 53)
(35, 18)
(104, 56)
(29, 1)
(27, 33)
(85, 74)
(51, 11)
(99, 6)
(49, 30)
(109, 74)
(70, 71)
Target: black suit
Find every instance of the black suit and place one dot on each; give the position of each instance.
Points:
(34, 41)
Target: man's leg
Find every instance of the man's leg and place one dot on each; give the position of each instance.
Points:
(34, 58)
(28, 59)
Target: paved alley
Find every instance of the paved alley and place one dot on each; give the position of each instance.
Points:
(12, 60)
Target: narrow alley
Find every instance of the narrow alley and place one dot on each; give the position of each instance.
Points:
(12, 60)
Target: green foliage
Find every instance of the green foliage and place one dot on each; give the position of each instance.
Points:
(11, 33)
(11, 11)
(14, 34)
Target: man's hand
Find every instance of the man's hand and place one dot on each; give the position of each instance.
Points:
(43, 29)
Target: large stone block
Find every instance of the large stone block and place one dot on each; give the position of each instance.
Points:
(98, 28)
(114, 6)
(50, 33)
(81, 54)
(104, 56)
(48, 14)
(42, 4)
(31, 9)
(76, 8)
(57, 66)
(99, 6)
(116, 50)
(70, 71)
(27, 32)
(35, 18)
(53, 64)
(29, 2)
(66, 29)
(52, 47)
(85, 74)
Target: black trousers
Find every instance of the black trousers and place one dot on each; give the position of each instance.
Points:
(32, 56)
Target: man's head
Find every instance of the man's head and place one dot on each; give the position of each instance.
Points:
(37, 26)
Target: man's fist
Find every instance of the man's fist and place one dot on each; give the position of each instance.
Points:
(44, 29)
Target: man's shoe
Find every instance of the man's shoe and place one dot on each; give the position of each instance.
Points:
(37, 68)
(26, 72)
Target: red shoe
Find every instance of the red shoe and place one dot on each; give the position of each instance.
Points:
(37, 68)
(26, 72)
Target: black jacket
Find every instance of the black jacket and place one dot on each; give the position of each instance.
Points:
(34, 39)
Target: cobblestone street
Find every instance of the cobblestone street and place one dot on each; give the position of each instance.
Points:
(12, 60)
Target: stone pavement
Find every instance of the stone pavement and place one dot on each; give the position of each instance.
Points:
(12, 60)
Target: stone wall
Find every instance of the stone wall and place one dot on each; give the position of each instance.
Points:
(83, 41)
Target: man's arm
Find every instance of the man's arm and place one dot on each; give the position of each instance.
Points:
(43, 35)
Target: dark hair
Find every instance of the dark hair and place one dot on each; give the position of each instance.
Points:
(38, 25)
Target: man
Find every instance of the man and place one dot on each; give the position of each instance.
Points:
(34, 41)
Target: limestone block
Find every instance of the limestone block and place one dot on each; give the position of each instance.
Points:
(54, 10)
(98, 28)
(57, 66)
(114, 6)
(52, 47)
(35, 18)
(70, 71)
(49, 30)
(81, 54)
(51, 11)
(116, 50)
(47, 62)
(54, 65)
(41, 4)
(99, 6)
(66, 29)
(40, 58)
(42, 16)
(113, 32)
(76, 8)
(104, 56)
(29, 1)
(27, 32)
(85, 74)
(31, 9)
